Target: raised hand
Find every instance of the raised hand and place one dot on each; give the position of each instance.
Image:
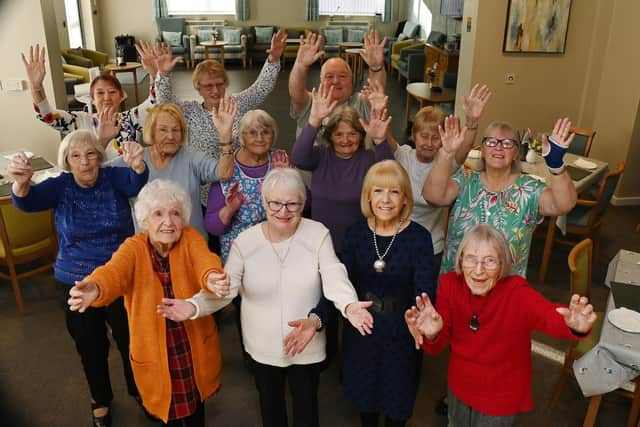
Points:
(34, 66)
(108, 125)
(20, 169)
(378, 125)
(580, 315)
(280, 159)
(223, 118)
(234, 198)
(322, 104)
(278, 43)
(560, 134)
(177, 310)
(474, 104)
(359, 316)
(374, 92)
(219, 284)
(82, 295)
(309, 50)
(133, 155)
(423, 319)
(303, 331)
(148, 55)
(373, 53)
(165, 62)
(451, 135)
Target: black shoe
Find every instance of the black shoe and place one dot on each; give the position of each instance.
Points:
(442, 408)
(103, 421)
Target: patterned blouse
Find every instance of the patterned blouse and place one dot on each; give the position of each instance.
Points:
(203, 135)
(132, 121)
(513, 211)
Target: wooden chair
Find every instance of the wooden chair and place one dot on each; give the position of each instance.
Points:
(580, 262)
(585, 219)
(581, 144)
(25, 238)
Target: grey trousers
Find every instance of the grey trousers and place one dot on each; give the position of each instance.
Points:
(463, 415)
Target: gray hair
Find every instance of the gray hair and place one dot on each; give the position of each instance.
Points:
(487, 233)
(161, 192)
(75, 138)
(258, 117)
(505, 127)
(283, 179)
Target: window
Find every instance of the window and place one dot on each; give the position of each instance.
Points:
(351, 7)
(74, 26)
(201, 7)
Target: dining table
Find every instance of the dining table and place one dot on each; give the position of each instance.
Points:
(615, 360)
(585, 173)
(42, 169)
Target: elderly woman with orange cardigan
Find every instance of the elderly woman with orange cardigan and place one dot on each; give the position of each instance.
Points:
(176, 365)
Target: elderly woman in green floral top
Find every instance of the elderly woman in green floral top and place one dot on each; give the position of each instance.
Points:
(499, 194)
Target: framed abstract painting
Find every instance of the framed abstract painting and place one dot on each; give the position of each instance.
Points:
(536, 26)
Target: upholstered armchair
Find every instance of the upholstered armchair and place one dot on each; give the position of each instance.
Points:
(173, 31)
(86, 58)
(291, 49)
(333, 36)
(259, 40)
(409, 30)
(397, 48)
(411, 64)
(236, 47)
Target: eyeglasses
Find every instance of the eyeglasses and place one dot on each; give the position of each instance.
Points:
(254, 133)
(493, 142)
(76, 157)
(292, 207)
(489, 263)
(211, 86)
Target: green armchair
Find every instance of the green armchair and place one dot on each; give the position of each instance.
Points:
(85, 57)
(291, 49)
(397, 47)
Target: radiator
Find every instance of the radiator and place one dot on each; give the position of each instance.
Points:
(348, 23)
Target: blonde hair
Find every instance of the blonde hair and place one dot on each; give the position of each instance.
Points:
(173, 110)
(504, 127)
(427, 118)
(387, 173)
(78, 137)
(211, 68)
(487, 233)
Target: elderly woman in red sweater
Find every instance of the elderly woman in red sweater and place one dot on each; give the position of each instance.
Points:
(487, 316)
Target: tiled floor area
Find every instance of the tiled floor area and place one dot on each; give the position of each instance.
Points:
(41, 381)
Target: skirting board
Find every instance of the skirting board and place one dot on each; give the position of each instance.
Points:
(625, 201)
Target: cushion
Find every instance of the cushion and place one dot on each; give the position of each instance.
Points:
(204, 35)
(232, 35)
(402, 36)
(264, 34)
(355, 35)
(174, 39)
(76, 51)
(333, 35)
(410, 29)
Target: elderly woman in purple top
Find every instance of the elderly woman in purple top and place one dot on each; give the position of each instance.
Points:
(339, 169)
(236, 204)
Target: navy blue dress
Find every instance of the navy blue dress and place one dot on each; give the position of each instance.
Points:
(382, 371)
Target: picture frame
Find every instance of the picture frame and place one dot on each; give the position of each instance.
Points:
(536, 26)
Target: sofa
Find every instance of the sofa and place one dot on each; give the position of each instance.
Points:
(332, 36)
(173, 32)
(236, 47)
(258, 41)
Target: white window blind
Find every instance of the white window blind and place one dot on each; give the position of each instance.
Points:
(201, 7)
(351, 7)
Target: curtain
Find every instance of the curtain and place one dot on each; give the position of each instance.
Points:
(390, 11)
(312, 10)
(159, 8)
(242, 10)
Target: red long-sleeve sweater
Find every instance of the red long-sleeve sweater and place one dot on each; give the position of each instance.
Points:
(490, 369)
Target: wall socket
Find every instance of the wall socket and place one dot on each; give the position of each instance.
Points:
(13, 85)
(510, 79)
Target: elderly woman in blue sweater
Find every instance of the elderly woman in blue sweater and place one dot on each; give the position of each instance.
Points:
(93, 218)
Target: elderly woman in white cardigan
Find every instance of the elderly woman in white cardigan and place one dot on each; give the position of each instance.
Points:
(282, 267)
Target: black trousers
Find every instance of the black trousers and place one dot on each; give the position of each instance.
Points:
(370, 419)
(89, 333)
(303, 382)
(194, 420)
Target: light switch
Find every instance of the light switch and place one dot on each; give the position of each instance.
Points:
(13, 85)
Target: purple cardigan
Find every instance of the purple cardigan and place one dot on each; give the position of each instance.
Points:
(336, 183)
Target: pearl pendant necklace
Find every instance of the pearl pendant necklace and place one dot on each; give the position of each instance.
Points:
(380, 264)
